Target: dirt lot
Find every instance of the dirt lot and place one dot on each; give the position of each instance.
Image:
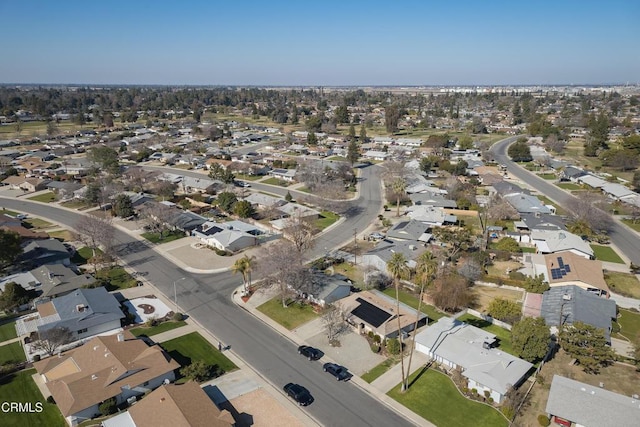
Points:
(485, 294)
(616, 378)
(499, 268)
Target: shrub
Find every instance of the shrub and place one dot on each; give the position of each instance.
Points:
(152, 321)
(50, 399)
(376, 338)
(375, 348)
(370, 334)
(108, 407)
(487, 394)
(177, 317)
(393, 346)
(474, 391)
(36, 358)
(543, 420)
(508, 411)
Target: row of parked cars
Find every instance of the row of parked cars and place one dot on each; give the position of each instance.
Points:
(300, 394)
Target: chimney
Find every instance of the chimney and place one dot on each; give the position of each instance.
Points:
(120, 337)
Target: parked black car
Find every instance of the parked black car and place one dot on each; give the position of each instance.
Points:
(337, 371)
(309, 352)
(298, 393)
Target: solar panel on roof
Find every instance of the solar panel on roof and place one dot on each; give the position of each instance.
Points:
(567, 268)
(560, 262)
(370, 313)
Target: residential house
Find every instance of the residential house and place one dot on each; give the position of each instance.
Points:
(552, 241)
(85, 312)
(410, 230)
(376, 155)
(285, 174)
(458, 345)
(434, 199)
(565, 305)
(525, 203)
(591, 180)
(19, 182)
(376, 312)
(185, 405)
(329, 289)
(571, 402)
(24, 279)
(264, 201)
(617, 191)
(186, 221)
(116, 366)
(568, 269)
(46, 251)
(64, 189)
(57, 280)
(571, 173)
(430, 215)
(298, 211)
(384, 250)
(231, 236)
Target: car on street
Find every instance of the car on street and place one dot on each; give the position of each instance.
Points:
(298, 393)
(376, 236)
(339, 372)
(243, 184)
(309, 352)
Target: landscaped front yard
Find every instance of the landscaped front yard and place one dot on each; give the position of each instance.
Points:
(117, 278)
(158, 329)
(47, 197)
(629, 325)
(192, 347)
(325, 219)
(623, 283)
(606, 253)
(166, 237)
(433, 396)
(632, 224)
(292, 316)
(380, 369)
(83, 255)
(20, 387)
(275, 181)
(11, 353)
(8, 331)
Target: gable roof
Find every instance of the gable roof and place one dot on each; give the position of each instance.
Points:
(589, 406)
(408, 230)
(98, 370)
(56, 279)
(562, 267)
(185, 405)
(462, 344)
(551, 241)
(525, 203)
(44, 251)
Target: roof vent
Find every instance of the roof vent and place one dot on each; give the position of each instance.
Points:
(94, 377)
(120, 337)
(80, 308)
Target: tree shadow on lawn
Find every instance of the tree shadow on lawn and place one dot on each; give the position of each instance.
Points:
(180, 358)
(424, 369)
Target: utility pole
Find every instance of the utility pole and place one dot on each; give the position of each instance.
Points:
(355, 248)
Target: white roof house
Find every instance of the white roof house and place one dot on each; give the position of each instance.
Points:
(457, 344)
(376, 155)
(590, 406)
(430, 215)
(617, 191)
(591, 181)
(551, 241)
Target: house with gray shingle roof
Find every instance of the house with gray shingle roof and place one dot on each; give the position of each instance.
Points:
(571, 401)
(57, 280)
(410, 230)
(551, 241)
(456, 344)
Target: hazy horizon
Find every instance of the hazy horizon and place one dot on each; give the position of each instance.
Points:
(331, 44)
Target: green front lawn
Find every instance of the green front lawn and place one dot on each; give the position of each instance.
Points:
(606, 253)
(20, 387)
(547, 175)
(12, 353)
(626, 284)
(378, 370)
(547, 201)
(8, 331)
(166, 237)
(83, 255)
(568, 186)
(8, 212)
(275, 181)
(502, 334)
(191, 347)
(47, 197)
(629, 325)
(37, 223)
(634, 225)
(116, 278)
(412, 301)
(294, 315)
(77, 204)
(158, 329)
(434, 397)
(245, 177)
(325, 219)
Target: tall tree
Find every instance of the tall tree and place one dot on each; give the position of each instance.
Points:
(397, 267)
(299, 230)
(363, 134)
(398, 186)
(391, 118)
(106, 158)
(530, 338)
(51, 339)
(353, 153)
(217, 171)
(10, 247)
(244, 266)
(426, 269)
(587, 344)
(122, 206)
(13, 296)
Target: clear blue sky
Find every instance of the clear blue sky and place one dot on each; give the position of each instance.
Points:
(326, 42)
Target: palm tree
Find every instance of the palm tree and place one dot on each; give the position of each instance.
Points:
(399, 185)
(426, 268)
(397, 266)
(244, 266)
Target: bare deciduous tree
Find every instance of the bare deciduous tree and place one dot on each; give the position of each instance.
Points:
(158, 217)
(333, 321)
(587, 208)
(300, 231)
(451, 293)
(51, 339)
(96, 233)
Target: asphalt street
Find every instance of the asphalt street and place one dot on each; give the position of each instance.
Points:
(207, 298)
(625, 239)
